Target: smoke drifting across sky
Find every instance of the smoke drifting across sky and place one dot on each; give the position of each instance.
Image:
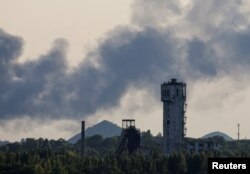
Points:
(205, 43)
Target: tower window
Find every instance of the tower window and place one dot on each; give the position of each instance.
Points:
(168, 122)
(177, 92)
(168, 93)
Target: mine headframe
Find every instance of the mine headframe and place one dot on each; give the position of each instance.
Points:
(130, 137)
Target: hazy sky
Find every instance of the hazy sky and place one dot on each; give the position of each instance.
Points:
(65, 61)
(81, 22)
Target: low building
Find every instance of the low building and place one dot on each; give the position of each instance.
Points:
(202, 145)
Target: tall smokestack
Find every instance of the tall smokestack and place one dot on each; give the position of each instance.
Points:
(83, 139)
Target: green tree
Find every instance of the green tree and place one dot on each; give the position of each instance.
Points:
(177, 163)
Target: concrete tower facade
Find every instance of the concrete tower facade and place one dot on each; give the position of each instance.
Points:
(173, 96)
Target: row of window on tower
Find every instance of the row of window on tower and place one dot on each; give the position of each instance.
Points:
(166, 93)
(171, 92)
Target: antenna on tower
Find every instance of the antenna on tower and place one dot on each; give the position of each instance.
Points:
(238, 132)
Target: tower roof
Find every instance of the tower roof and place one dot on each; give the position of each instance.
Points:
(173, 82)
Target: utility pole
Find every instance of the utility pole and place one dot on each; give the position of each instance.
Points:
(238, 132)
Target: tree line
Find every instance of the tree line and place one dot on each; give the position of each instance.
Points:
(42, 156)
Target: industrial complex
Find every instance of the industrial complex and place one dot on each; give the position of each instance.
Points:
(173, 96)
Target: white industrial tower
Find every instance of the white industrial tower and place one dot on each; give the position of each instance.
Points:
(173, 96)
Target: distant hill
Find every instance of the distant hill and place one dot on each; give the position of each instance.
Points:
(3, 143)
(217, 133)
(104, 128)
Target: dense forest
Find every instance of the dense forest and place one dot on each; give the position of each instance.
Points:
(42, 156)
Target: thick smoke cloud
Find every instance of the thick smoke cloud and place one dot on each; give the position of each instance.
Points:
(43, 88)
(10, 49)
(28, 84)
(176, 43)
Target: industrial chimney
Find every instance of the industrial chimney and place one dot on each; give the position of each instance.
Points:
(83, 139)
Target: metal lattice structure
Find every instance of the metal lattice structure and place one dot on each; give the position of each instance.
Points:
(130, 137)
